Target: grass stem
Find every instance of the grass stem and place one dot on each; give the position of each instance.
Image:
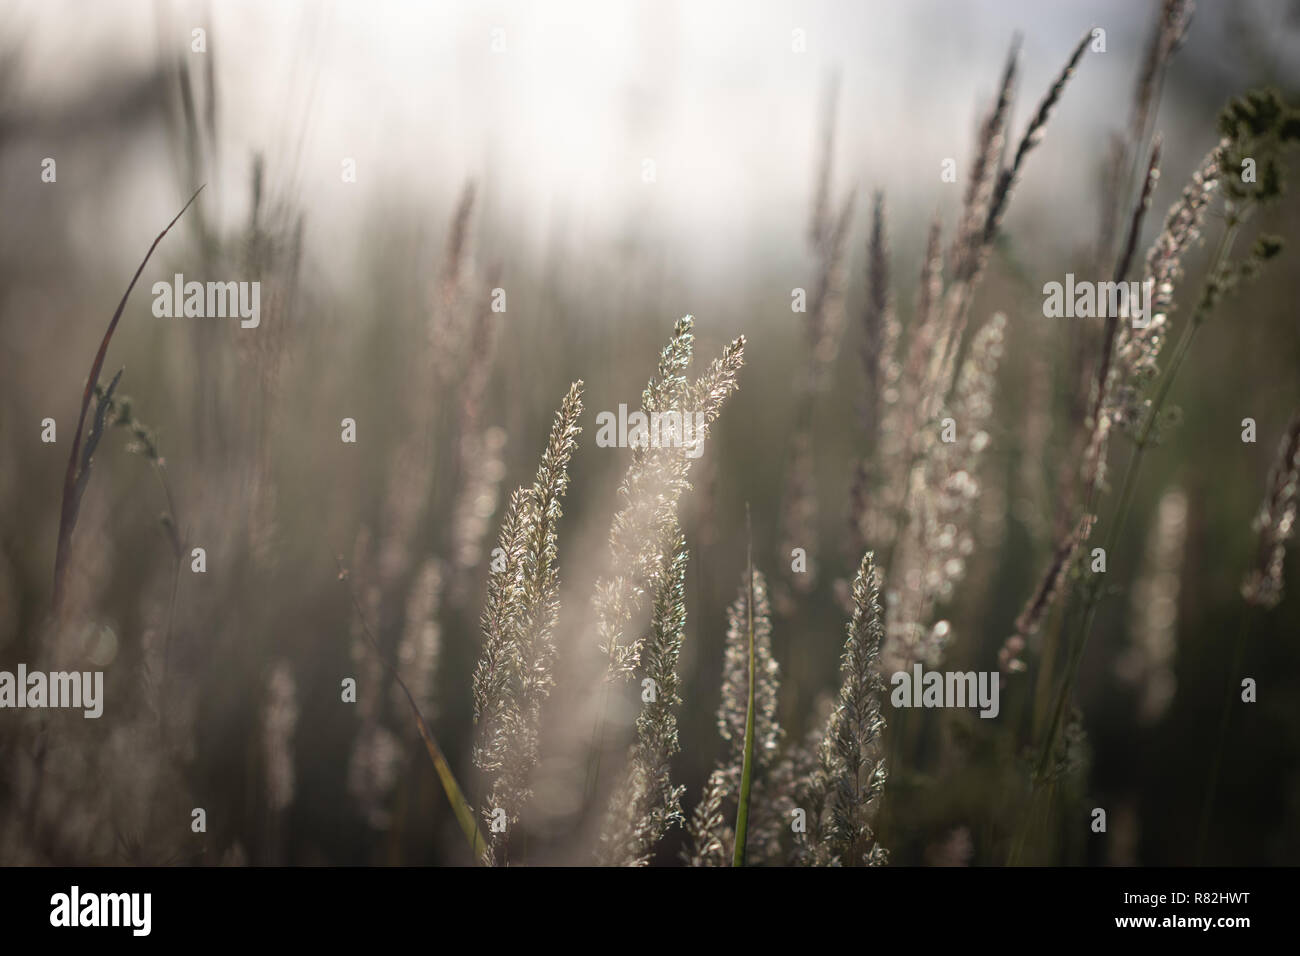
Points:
(71, 502)
(1211, 788)
(1142, 441)
(464, 813)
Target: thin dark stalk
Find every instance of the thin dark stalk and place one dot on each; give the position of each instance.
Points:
(71, 503)
(1121, 270)
(1234, 675)
(1141, 444)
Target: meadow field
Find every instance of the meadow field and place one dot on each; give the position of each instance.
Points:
(649, 434)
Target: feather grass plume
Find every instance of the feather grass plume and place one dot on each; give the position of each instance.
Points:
(449, 369)
(878, 494)
(1258, 123)
(647, 803)
(1138, 349)
(919, 382)
(989, 148)
(1275, 523)
(880, 334)
(827, 237)
(929, 291)
(1126, 150)
(1262, 590)
(793, 784)
(1049, 590)
(823, 324)
(1125, 369)
(735, 675)
(976, 239)
(879, 326)
(851, 771)
(1098, 423)
(651, 491)
(514, 674)
(938, 537)
(747, 754)
(710, 835)
(1170, 31)
(1032, 136)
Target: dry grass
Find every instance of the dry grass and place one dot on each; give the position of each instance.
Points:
(570, 718)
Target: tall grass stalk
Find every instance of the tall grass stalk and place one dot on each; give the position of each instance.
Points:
(651, 491)
(515, 671)
(747, 768)
(851, 771)
(1261, 589)
(1142, 441)
(647, 803)
(748, 724)
(74, 479)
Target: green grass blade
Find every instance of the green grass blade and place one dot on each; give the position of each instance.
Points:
(464, 814)
(455, 796)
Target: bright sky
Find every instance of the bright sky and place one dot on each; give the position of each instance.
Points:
(557, 126)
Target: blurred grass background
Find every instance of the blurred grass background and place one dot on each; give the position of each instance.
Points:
(596, 265)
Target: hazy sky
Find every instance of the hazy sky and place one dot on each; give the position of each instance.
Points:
(559, 124)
